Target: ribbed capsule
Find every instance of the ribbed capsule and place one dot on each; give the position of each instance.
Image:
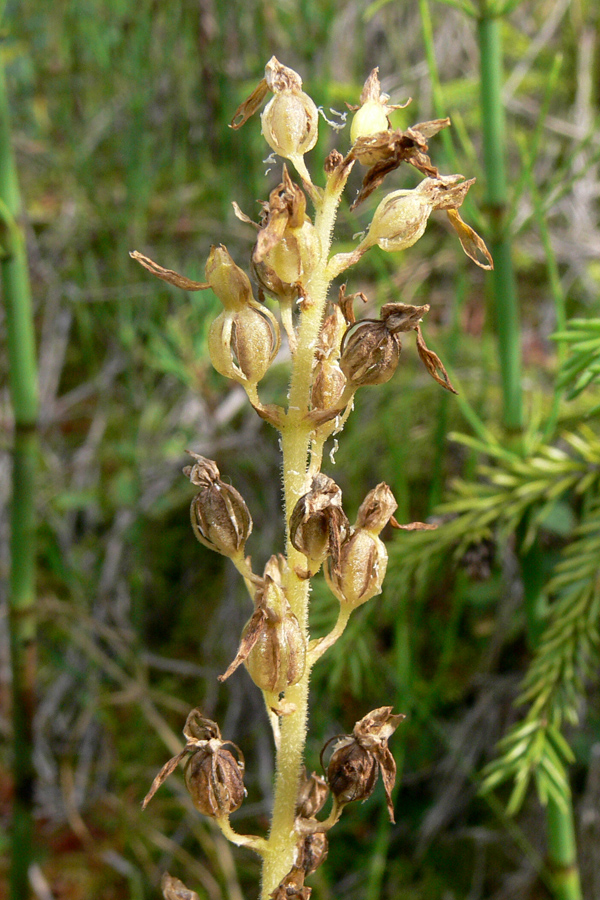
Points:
(219, 515)
(272, 645)
(243, 344)
(370, 353)
(213, 775)
(290, 121)
(214, 780)
(318, 524)
(277, 660)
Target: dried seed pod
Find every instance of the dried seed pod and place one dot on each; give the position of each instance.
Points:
(272, 647)
(352, 771)
(318, 524)
(219, 515)
(214, 777)
(292, 887)
(370, 353)
(174, 889)
(313, 852)
(361, 570)
(329, 381)
(311, 795)
(215, 782)
(242, 345)
(290, 121)
(357, 759)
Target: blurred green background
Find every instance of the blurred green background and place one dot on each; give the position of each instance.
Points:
(120, 115)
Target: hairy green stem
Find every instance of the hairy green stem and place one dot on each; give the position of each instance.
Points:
(297, 436)
(24, 395)
(506, 304)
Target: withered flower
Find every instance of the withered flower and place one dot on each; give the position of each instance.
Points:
(363, 556)
(313, 852)
(357, 759)
(213, 776)
(272, 646)
(371, 117)
(371, 348)
(219, 515)
(312, 795)
(290, 120)
(318, 524)
(174, 889)
(292, 887)
(401, 217)
(287, 246)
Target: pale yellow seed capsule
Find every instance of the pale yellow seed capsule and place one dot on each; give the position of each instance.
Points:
(290, 123)
(362, 567)
(399, 220)
(371, 118)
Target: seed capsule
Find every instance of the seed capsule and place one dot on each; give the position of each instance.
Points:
(318, 524)
(358, 758)
(372, 115)
(313, 852)
(292, 887)
(174, 889)
(290, 121)
(242, 345)
(278, 657)
(214, 779)
(311, 796)
(213, 776)
(219, 515)
(370, 353)
(272, 646)
(352, 772)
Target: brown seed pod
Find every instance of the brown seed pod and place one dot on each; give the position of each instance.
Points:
(292, 886)
(361, 570)
(272, 647)
(370, 353)
(219, 515)
(318, 524)
(357, 759)
(174, 889)
(214, 777)
(312, 795)
(313, 851)
(352, 771)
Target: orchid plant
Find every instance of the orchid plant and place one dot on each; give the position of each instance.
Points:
(332, 355)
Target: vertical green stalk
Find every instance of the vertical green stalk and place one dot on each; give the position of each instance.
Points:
(562, 852)
(560, 830)
(24, 395)
(506, 304)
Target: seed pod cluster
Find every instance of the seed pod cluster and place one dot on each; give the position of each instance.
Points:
(357, 759)
(219, 515)
(312, 847)
(363, 556)
(213, 775)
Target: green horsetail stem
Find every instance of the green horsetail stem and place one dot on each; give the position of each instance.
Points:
(24, 395)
